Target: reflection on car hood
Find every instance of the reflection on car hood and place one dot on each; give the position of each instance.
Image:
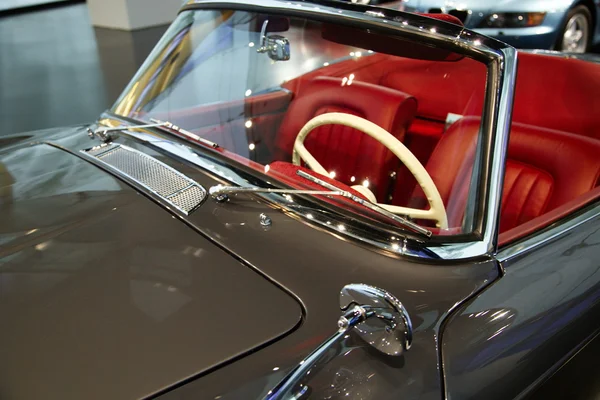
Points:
(105, 295)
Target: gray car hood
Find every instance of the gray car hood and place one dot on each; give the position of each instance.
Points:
(104, 295)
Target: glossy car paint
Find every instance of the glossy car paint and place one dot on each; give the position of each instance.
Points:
(543, 36)
(94, 312)
(529, 322)
(295, 255)
(104, 295)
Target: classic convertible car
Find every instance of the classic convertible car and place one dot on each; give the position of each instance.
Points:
(308, 199)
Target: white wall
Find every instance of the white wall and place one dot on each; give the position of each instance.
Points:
(132, 14)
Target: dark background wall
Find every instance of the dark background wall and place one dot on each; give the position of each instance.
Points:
(56, 69)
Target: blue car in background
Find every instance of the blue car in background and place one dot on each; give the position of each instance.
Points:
(565, 25)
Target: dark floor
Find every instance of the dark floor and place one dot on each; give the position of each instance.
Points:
(55, 69)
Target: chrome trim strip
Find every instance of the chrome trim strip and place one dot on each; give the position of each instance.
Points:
(520, 248)
(501, 123)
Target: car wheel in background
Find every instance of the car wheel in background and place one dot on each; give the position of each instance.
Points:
(575, 35)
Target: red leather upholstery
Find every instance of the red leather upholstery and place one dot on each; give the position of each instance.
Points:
(558, 93)
(545, 169)
(548, 218)
(539, 79)
(287, 173)
(450, 167)
(441, 87)
(346, 151)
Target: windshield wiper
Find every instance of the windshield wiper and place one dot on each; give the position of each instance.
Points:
(220, 193)
(102, 133)
(184, 132)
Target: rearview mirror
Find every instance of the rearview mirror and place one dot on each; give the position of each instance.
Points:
(277, 47)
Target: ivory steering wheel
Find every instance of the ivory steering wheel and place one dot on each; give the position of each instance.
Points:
(436, 212)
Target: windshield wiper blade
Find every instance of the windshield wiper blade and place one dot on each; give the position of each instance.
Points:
(220, 193)
(372, 206)
(103, 133)
(184, 132)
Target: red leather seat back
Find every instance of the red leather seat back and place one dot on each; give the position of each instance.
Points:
(558, 93)
(343, 150)
(544, 170)
(450, 167)
(539, 79)
(440, 87)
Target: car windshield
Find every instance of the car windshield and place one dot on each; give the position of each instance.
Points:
(392, 121)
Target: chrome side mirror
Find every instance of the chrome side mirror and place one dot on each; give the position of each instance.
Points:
(277, 47)
(377, 317)
(374, 314)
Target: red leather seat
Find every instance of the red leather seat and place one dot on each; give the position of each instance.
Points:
(544, 170)
(352, 155)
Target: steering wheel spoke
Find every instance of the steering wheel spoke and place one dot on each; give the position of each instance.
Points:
(437, 211)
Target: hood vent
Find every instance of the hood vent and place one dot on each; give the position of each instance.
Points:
(164, 181)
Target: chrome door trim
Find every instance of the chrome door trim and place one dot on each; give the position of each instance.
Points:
(523, 247)
(505, 92)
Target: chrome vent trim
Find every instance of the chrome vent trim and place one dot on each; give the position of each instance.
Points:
(171, 185)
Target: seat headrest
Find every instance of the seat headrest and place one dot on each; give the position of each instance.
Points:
(327, 91)
(388, 108)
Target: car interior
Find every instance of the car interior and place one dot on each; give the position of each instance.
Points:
(433, 107)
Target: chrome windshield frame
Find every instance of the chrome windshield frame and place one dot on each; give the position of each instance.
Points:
(500, 58)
